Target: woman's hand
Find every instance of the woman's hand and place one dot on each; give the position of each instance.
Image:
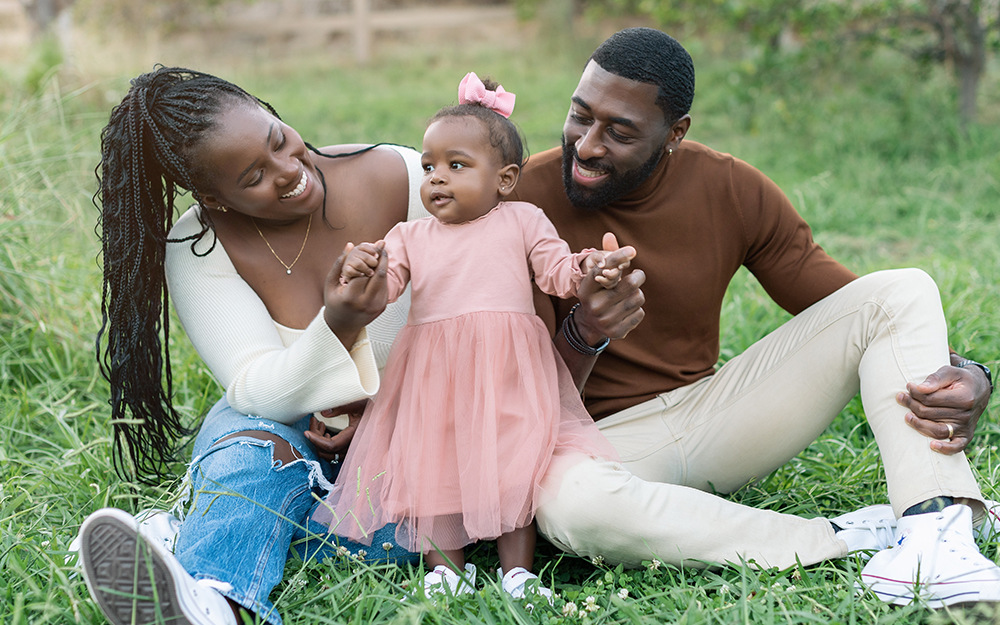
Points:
(333, 447)
(354, 302)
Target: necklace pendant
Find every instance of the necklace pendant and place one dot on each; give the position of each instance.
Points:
(288, 271)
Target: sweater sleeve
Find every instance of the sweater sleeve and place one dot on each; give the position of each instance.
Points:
(232, 331)
(554, 267)
(781, 253)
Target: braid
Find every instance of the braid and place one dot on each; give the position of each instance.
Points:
(145, 152)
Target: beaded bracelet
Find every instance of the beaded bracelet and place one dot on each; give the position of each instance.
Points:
(572, 336)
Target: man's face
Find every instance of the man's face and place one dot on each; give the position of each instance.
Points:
(614, 137)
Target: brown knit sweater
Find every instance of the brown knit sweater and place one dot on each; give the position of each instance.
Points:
(699, 217)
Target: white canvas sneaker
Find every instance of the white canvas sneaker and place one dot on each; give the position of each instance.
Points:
(443, 581)
(519, 582)
(867, 530)
(156, 526)
(935, 561)
(989, 529)
(134, 580)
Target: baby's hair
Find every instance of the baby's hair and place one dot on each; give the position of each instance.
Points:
(504, 135)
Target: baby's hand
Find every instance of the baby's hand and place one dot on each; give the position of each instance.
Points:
(361, 262)
(608, 276)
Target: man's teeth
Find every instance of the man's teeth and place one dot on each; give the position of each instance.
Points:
(299, 188)
(588, 173)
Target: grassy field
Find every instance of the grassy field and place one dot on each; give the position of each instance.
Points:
(867, 148)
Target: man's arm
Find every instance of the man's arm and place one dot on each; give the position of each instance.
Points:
(796, 272)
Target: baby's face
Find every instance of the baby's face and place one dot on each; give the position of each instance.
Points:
(461, 170)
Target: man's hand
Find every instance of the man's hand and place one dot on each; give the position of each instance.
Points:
(333, 447)
(610, 312)
(948, 397)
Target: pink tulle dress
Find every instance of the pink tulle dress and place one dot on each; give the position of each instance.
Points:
(474, 398)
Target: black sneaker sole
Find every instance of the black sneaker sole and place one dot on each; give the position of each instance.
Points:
(127, 578)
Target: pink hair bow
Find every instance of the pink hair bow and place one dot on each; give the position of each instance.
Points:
(472, 91)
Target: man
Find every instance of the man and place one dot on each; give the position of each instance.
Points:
(695, 216)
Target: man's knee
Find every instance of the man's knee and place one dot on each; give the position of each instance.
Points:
(902, 288)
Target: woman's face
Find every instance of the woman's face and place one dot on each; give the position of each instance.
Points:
(259, 166)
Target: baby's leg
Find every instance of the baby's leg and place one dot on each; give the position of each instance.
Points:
(517, 555)
(517, 548)
(454, 559)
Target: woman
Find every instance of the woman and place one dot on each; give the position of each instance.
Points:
(253, 271)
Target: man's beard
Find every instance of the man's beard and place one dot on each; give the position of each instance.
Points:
(617, 185)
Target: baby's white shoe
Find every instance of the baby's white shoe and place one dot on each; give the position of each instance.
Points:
(443, 581)
(519, 581)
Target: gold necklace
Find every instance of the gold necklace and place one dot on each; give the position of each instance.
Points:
(288, 268)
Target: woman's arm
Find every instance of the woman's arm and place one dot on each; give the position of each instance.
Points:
(236, 337)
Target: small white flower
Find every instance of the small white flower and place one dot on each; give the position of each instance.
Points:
(654, 565)
(343, 551)
(529, 607)
(791, 588)
(569, 609)
(724, 590)
(623, 593)
(590, 605)
(387, 546)
(597, 560)
(360, 555)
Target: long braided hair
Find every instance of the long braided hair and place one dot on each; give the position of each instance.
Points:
(145, 164)
(147, 161)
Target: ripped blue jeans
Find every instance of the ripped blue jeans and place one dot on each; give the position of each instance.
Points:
(248, 510)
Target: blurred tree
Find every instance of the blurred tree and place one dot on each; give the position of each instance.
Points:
(960, 33)
(44, 12)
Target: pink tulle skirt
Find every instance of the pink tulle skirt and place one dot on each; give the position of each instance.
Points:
(456, 443)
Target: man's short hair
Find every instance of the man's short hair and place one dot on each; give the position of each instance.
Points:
(648, 55)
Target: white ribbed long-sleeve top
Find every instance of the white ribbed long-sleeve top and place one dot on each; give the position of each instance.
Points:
(270, 370)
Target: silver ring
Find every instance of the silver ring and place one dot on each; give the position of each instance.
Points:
(951, 430)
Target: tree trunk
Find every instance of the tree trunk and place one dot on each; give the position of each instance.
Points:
(969, 73)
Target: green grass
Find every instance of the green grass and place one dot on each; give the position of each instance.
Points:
(867, 148)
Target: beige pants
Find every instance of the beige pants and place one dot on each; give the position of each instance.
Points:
(756, 413)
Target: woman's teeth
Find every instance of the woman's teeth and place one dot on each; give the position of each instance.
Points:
(299, 188)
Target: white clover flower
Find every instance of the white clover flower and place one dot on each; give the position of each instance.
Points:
(654, 565)
(387, 546)
(623, 593)
(343, 551)
(597, 560)
(361, 554)
(569, 609)
(724, 590)
(590, 605)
